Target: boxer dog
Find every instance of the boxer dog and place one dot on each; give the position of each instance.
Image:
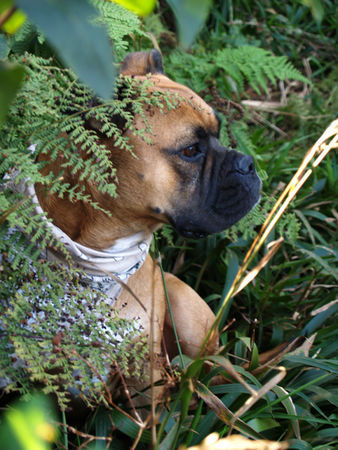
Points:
(185, 177)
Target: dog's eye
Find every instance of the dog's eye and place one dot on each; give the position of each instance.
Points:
(190, 153)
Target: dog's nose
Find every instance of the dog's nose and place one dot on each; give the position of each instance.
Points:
(244, 164)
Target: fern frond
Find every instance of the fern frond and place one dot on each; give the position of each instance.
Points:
(51, 111)
(120, 24)
(182, 65)
(239, 130)
(257, 66)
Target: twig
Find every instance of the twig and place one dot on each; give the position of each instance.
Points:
(110, 400)
(138, 437)
(122, 283)
(7, 14)
(256, 395)
(126, 390)
(152, 362)
(84, 435)
(266, 122)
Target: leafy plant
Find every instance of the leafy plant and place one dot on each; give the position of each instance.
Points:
(63, 106)
(240, 55)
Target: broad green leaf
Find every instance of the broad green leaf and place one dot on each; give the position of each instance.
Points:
(28, 425)
(318, 320)
(194, 368)
(129, 427)
(177, 361)
(329, 365)
(185, 396)
(299, 444)
(14, 21)
(328, 433)
(317, 8)
(325, 265)
(329, 395)
(232, 269)
(226, 364)
(139, 7)
(318, 215)
(102, 427)
(230, 388)
(83, 46)
(190, 16)
(11, 77)
(303, 418)
(246, 341)
(256, 396)
(167, 443)
(254, 361)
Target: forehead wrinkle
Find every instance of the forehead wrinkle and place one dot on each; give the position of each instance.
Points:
(186, 138)
(205, 118)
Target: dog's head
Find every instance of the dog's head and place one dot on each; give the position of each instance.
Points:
(185, 176)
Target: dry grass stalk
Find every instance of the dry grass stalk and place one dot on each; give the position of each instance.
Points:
(236, 442)
(318, 152)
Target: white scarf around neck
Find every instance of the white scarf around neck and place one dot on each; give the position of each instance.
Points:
(122, 259)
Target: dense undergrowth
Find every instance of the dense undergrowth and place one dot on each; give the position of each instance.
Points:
(269, 70)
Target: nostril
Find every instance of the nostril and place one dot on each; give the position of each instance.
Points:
(244, 164)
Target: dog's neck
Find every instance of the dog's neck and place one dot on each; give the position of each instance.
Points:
(85, 225)
(91, 227)
(122, 259)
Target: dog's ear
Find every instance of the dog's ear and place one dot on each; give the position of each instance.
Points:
(137, 63)
(141, 63)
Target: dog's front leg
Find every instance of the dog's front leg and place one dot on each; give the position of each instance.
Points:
(193, 319)
(147, 306)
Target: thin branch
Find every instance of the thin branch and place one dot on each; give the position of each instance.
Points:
(7, 14)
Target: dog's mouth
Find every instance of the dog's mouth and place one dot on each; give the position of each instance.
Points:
(193, 234)
(199, 220)
(224, 195)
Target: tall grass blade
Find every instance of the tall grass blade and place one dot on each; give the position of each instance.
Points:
(259, 394)
(319, 150)
(222, 412)
(290, 408)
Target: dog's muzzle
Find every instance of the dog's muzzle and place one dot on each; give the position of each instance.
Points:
(231, 191)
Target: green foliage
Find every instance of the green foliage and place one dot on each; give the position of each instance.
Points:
(53, 110)
(70, 29)
(257, 66)
(230, 71)
(247, 227)
(250, 64)
(181, 66)
(120, 25)
(25, 39)
(61, 359)
(189, 18)
(140, 7)
(10, 78)
(29, 425)
(241, 54)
